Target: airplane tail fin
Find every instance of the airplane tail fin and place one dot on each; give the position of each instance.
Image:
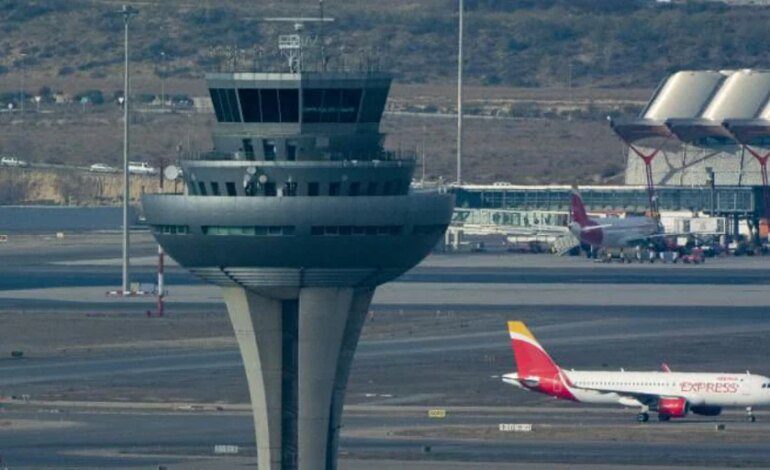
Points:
(578, 210)
(531, 358)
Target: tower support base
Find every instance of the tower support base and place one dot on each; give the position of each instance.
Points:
(297, 349)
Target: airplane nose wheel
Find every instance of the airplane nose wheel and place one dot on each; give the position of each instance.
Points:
(643, 417)
(750, 416)
(662, 417)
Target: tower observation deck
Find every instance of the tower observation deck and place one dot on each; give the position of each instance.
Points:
(298, 213)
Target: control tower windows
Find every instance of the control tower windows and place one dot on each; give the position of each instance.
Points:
(346, 230)
(312, 103)
(202, 188)
(270, 110)
(269, 105)
(354, 189)
(269, 148)
(172, 229)
(371, 190)
(387, 189)
(313, 189)
(331, 108)
(259, 230)
(250, 104)
(290, 188)
(215, 189)
(334, 189)
(225, 104)
(230, 189)
(350, 104)
(248, 149)
(288, 100)
(331, 105)
(373, 104)
(291, 151)
(270, 189)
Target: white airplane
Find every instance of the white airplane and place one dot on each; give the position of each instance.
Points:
(611, 232)
(670, 394)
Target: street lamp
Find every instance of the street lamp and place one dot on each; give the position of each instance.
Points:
(162, 81)
(21, 89)
(461, 32)
(127, 12)
(712, 183)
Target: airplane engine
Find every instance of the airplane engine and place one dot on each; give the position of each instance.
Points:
(673, 407)
(705, 410)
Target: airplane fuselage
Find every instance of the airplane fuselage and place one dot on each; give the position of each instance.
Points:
(614, 232)
(699, 389)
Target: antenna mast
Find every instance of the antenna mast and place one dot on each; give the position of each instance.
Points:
(292, 45)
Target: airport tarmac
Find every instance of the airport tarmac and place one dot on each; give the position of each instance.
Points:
(436, 338)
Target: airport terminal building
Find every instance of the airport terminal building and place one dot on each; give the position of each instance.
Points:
(698, 149)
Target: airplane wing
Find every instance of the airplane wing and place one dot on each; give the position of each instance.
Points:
(648, 399)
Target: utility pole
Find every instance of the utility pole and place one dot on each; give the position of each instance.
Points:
(460, 94)
(127, 13)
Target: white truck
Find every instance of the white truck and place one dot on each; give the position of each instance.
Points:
(141, 168)
(13, 161)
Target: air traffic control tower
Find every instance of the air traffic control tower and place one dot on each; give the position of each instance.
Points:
(298, 214)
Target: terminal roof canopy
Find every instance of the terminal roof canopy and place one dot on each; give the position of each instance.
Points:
(704, 108)
(682, 95)
(755, 131)
(742, 96)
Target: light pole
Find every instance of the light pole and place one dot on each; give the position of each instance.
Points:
(460, 94)
(127, 12)
(162, 81)
(21, 89)
(712, 184)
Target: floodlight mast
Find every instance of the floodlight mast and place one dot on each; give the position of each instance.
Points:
(127, 12)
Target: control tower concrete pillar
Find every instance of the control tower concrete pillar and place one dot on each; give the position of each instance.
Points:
(297, 352)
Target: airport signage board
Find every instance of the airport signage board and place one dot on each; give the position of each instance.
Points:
(437, 414)
(226, 449)
(515, 427)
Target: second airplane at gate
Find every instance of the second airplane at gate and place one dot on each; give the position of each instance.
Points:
(611, 232)
(670, 394)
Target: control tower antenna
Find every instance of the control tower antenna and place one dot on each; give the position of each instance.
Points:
(292, 45)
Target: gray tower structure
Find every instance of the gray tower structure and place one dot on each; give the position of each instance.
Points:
(298, 214)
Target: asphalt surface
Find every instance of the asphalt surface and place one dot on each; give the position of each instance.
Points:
(431, 344)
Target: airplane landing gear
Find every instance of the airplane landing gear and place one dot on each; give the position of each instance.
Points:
(662, 417)
(749, 415)
(643, 417)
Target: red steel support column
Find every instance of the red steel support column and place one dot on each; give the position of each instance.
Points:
(161, 284)
(762, 159)
(647, 159)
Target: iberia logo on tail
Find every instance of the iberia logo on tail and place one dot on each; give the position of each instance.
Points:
(536, 369)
